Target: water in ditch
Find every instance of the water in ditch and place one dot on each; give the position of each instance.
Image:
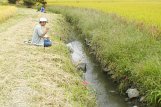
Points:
(106, 92)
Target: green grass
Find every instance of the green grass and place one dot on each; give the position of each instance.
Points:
(76, 93)
(130, 53)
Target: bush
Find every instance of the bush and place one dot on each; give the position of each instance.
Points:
(29, 3)
(12, 1)
(42, 2)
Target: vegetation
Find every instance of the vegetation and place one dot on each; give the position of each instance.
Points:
(42, 2)
(124, 36)
(131, 53)
(12, 1)
(29, 3)
(6, 12)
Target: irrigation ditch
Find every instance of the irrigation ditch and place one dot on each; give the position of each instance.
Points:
(106, 92)
(94, 75)
(133, 94)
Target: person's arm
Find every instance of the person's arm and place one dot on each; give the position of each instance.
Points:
(41, 33)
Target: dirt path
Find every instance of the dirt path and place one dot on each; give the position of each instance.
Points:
(17, 59)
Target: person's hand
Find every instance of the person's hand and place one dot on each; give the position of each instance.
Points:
(48, 37)
(47, 29)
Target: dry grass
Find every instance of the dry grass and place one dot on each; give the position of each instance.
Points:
(34, 78)
(6, 12)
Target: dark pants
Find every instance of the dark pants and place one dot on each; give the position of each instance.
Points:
(47, 43)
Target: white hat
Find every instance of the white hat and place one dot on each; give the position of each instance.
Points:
(42, 19)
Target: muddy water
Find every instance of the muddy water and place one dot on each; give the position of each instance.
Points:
(106, 93)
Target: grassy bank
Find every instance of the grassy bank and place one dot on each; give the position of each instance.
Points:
(131, 54)
(75, 93)
(33, 77)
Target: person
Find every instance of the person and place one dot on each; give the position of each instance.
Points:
(40, 33)
(42, 9)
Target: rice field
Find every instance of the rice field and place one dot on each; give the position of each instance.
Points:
(6, 12)
(146, 11)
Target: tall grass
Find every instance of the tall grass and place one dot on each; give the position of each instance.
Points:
(131, 55)
(6, 12)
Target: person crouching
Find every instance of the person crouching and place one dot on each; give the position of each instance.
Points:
(40, 37)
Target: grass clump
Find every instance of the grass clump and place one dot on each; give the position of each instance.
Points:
(130, 54)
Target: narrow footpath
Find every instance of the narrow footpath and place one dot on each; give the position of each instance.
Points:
(30, 76)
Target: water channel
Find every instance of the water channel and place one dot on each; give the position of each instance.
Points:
(106, 91)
